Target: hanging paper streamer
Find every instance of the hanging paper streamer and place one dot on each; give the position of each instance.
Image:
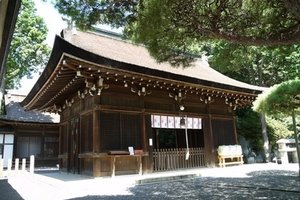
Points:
(164, 121)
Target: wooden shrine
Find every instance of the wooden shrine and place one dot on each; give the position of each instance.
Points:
(113, 97)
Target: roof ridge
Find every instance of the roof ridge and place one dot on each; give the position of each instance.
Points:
(111, 35)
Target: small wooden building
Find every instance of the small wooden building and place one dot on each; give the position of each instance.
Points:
(26, 133)
(114, 98)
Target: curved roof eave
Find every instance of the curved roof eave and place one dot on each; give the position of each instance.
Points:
(62, 47)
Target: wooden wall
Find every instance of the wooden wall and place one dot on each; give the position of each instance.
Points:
(120, 118)
(39, 140)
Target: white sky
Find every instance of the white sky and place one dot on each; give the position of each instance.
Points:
(52, 19)
(55, 24)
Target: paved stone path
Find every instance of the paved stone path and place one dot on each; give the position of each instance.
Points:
(257, 181)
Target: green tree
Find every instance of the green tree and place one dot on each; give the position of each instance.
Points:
(264, 66)
(249, 126)
(283, 98)
(277, 130)
(170, 28)
(87, 13)
(28, 52)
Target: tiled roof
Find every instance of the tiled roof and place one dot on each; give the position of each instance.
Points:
(15, 112)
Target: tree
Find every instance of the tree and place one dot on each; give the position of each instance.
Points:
(86, 13)
(283, 98)
(28, 52)
(170, 28)
(264, 66)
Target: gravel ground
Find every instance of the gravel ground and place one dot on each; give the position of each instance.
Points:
(257, 181)
(261, 185)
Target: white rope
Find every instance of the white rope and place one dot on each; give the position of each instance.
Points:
(187, 155)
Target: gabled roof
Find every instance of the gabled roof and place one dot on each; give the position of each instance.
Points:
(126, 52)
(16, 113)
(100, 55)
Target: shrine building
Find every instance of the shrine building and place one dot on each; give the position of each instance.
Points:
(121, 112)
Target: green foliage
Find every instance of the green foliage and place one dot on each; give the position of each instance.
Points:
(87, 13)
(277, 130)
(248, 125)
(287, 121)
(263, 66)
(28, 52)
(164, 40)
(282, 98)
(170, 29)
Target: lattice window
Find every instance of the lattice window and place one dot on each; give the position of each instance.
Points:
(118, 131)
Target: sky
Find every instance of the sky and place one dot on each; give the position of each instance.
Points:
(52, 19)
(55, 24)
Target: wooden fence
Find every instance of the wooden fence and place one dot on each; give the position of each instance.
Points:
(172, 159)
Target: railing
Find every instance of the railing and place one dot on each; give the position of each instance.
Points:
(172, 159)
(16, 165)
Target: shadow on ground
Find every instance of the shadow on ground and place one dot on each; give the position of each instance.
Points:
(7, 192)
(274, 184)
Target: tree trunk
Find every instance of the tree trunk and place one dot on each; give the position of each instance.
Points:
(296, 138)
(265, 138)
(263, 122)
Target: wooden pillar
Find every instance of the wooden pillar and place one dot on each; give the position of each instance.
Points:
(60, 143)
(96, 142)
(209, 141)
(68, 145)
(234, 129)
(150, 135)
(43, 142)
(147, 134)
(144, 134)
(96, 131)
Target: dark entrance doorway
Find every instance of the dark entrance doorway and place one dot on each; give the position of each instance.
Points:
(170, 152)
(175, 138)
